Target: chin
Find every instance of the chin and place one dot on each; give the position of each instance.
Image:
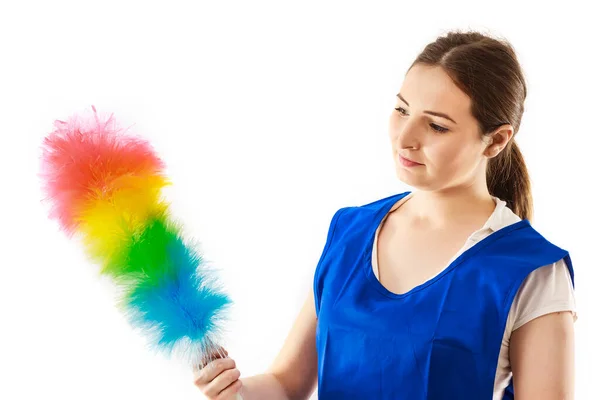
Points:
(416, 181)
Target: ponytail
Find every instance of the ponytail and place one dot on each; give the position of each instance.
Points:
(508, 179)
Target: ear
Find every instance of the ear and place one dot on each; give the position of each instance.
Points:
(497, 141)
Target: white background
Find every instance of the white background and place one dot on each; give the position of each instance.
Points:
(270, 116)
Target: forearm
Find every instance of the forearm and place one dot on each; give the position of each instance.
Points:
(261, 387)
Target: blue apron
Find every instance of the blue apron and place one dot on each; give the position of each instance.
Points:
(440, 340)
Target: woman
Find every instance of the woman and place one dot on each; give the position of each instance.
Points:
(442, 293)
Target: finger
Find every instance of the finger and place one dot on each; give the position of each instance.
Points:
(229, 392)
(215, 354)
(221, 382)
(218, 353)
(212, 370)
(206, 358)
(223, 351)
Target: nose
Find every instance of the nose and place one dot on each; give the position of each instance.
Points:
(407, 135)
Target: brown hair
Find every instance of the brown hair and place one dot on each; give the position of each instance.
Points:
(488, 71)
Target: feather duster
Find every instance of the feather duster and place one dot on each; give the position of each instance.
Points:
(104, 186)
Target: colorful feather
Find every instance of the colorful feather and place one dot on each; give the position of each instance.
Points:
(105, 186)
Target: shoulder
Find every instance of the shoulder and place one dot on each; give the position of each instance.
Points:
(562, 257)
(521, 249)
(516, 229)
(371, 208)
(356, 217)
(523, 241)
(382, 202)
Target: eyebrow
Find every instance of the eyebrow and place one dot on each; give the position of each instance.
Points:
(437, 114)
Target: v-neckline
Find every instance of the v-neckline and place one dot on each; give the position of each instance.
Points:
(368, 253)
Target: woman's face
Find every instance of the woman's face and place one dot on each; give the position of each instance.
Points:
(449, 149)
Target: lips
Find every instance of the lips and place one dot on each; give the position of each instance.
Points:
(407, 161)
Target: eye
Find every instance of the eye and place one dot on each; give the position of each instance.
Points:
(400, 110)
(438, 128)
(435, 127)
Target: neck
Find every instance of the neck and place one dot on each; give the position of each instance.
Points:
(472, 204)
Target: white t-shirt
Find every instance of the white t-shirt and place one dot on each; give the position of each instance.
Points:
(546, 290)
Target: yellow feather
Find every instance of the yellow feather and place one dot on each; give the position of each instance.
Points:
(114, 217)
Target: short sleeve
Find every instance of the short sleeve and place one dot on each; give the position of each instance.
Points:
(546, 290)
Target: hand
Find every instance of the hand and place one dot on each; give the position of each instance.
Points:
(219, 379)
